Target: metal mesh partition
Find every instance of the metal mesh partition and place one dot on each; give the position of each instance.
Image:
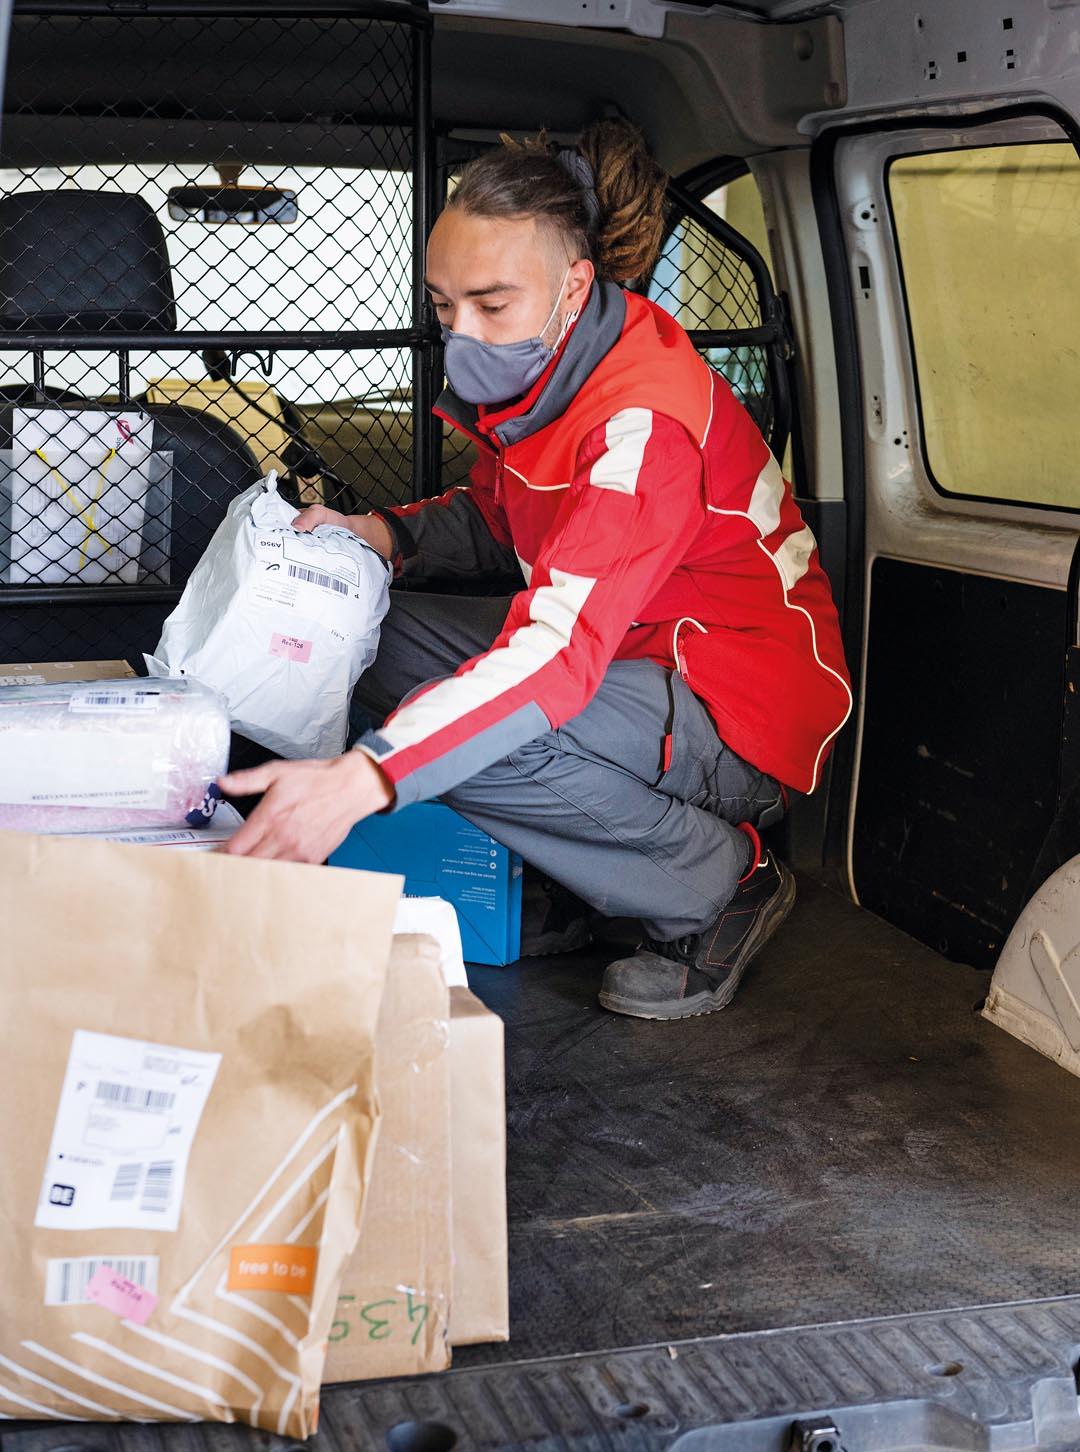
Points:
(716, 284)
(211, 221)
(212, 215)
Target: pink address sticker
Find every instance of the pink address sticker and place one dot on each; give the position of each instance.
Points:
(291, 647)
(121, 1296)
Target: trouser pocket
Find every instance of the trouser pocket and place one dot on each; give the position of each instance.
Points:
(698, 768)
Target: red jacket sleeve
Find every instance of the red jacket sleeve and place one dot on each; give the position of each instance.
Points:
(461, 532)
(634, 506)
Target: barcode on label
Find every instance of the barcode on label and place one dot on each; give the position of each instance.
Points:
(319, 577)
(157, 1188)
(90, 700)
(130, 1096)
(126, 1182)
(66, 1280)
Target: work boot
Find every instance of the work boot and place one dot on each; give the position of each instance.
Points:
(700, 973)
(553, 919)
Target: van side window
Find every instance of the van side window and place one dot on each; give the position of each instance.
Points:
(705, 286)
(989, 240)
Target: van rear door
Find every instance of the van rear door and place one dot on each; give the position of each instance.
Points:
(962, 241)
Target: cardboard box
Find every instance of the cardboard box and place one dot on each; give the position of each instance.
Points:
(440, 854)
(58, 672)
(480, 1292)
(393, 1306)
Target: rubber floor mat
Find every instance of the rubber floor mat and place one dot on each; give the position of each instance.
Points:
(848, 1139)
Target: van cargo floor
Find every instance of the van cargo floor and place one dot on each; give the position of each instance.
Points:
(848, 1139)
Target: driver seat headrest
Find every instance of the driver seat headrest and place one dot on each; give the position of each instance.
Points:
(83, 262)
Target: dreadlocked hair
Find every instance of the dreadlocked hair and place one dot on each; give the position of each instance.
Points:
(621, 236)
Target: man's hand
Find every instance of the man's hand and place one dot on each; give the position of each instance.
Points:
(369, 527)
(309, 806)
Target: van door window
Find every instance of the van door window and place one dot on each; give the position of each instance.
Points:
(989, 240)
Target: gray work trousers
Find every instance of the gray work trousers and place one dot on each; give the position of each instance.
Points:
(591, 804)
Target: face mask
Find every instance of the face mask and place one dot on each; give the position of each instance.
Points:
(481, 372)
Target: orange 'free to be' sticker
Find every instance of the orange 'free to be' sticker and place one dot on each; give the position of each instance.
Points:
(289, 1268)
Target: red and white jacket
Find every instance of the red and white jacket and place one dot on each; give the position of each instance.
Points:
(649, 519)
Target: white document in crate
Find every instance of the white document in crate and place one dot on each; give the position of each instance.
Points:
(282, 623)
(439, 920)
(79, 484)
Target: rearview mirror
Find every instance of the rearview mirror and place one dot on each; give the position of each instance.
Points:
(249, 206)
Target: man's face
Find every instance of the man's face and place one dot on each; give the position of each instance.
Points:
(497, 279)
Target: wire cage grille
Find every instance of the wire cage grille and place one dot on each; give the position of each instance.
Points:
(710, 288)
(208, 228)
(211, 228)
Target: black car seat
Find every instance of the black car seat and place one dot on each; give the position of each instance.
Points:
(95, 263)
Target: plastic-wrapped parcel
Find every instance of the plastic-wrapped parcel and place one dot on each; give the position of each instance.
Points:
(282, 623)
(107, 755)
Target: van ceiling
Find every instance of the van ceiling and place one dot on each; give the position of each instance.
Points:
(716, 84)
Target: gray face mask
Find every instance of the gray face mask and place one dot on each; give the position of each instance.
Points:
(481, 372)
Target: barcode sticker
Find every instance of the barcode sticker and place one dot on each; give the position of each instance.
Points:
(126, 1181)
(157, 1187)
(124, 1128)
(66, 1280)
(154, 1101)
(318, 577)
(102, 699)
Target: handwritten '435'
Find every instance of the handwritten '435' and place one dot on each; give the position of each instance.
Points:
(381, 1320)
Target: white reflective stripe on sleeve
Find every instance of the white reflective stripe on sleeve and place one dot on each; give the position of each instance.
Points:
(540, 488)
(767, 497)
(625, 437)
(526, 569)
(553, 612)
(793, 556)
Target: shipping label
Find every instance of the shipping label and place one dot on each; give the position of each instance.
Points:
(123, 1132)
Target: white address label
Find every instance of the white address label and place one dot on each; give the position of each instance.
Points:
(85, 769)
(123, 1132)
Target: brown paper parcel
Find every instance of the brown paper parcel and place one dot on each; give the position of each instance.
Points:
(394, 1302)
(433, 1245)
(188, 1043)
(480, 1293)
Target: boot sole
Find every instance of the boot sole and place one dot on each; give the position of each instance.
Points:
(701, 1003)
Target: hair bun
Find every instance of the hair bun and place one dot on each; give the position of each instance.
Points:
(575, 165)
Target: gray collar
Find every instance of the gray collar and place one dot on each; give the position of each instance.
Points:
(595, 334)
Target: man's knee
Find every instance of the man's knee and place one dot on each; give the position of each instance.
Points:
(525, 762)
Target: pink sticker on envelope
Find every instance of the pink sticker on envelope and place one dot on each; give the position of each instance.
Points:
(291, 647)
(121, 1296)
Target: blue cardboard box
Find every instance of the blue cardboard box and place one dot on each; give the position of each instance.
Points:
(440, 854)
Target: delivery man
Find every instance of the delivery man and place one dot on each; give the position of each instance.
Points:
(633, 716)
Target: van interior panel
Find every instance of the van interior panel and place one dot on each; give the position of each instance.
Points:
(958, 786)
